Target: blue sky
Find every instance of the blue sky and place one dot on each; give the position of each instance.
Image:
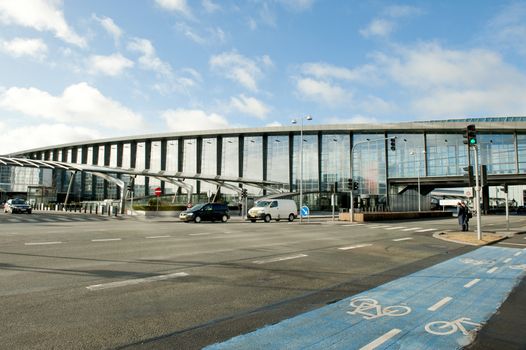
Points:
(77, 70)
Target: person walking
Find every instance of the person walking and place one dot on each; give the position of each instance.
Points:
(461, 216)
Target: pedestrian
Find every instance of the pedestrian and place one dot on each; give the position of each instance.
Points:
(461, 211)
(467, 216)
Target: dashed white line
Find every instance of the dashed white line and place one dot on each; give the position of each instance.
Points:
(379, 226)
(427, 230)
(518, 253)
(349, 225)
(440, 304)
(379, 341)
(106, 239)
(355, 246)
(136, 281)
(412, 229)
(153, 237)
(280, 259)
(493, 269)
(402, 239)
(200, 234)
(42, 243)
(507, 260)
(395, 228)
(472, 283)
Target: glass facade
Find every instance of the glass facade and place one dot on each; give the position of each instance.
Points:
(275, 156)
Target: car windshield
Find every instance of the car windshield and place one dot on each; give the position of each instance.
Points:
(196, 207)
(18, 201)
(262, 204)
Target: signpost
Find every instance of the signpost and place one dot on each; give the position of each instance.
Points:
(158, 194)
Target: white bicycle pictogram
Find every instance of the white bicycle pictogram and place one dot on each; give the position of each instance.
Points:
(371, 309)
(450, 327)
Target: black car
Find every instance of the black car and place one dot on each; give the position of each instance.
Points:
(206, 212)
(17, 205)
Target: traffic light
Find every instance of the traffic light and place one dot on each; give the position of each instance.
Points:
(505, 188)
(349, 184)
(469, 174)
(470, 136)
(393, 143)
(355, 186)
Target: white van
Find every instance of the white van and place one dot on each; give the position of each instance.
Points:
(277, 209)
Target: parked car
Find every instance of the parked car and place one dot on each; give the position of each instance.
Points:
(273, 209)
(206, 212)
(17, 205)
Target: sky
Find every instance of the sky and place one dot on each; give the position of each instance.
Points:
(79, 70)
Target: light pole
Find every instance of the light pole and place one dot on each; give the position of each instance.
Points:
(294, 121)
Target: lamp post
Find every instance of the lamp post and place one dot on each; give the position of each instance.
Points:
(294, 121)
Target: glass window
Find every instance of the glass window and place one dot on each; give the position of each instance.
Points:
(335, 161)
(278, 159)
(369, 164)
(310, 163)
(171, 163)
(140, 164)
(407, 160)
(497, 151)
(230, 159)
(446, 154)
(209, 163)
(190, 160)
(253, 161)
(155, 165)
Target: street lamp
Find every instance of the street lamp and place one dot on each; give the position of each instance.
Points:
(294, 121)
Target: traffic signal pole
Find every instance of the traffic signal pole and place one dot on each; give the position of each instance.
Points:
(477, 192)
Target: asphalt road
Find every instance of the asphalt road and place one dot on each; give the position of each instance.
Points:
(89, 282)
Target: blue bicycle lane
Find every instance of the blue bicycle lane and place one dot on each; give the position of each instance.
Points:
(440, 307)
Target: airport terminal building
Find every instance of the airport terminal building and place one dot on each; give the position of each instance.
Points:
(389, 165)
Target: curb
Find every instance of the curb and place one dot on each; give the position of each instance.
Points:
(439, 235)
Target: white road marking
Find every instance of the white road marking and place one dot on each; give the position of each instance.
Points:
(279, 259)
(412, 229)
(106, 239)
(427, 230)
(355, 246)
(379, 226)
(348, 225)
(153, 237)
(519, 244)
(440, 304)
(518, 253)
(402, 239)
(200, 234)
(395, 228)
(42, 243)
(507, 260)
(379, 341)
(472, 283)
(136, 281)
(493, 269)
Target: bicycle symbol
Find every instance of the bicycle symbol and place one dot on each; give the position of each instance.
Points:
(447, 328)
(371, 309)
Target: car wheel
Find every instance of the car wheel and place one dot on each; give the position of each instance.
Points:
(252, 220)
(197, 219)
(267, 218)
(291, 217)
(224, 218)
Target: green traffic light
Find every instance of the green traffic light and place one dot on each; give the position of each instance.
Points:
(472, 141)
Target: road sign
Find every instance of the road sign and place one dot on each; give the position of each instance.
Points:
(157, 191)
(305, 211)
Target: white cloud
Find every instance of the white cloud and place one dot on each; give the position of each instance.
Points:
(322, 91)
(378, 27)
(357, 119)
(179, 6)
(238, 68)
(322, 70)
(508, 28)
(210, 6)
(446, 82)
(80, 103)
(275, 123)
(110, 27)
(212, 35)
(149, 60)
(24, 47)
(112, 65)
(16, 139)
(193, 119)
(249, 105)
(40, 15)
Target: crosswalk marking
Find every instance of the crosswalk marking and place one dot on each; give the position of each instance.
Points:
(427, 230)
(412, 229)
(395, 228)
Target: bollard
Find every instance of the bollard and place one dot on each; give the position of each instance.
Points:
(96, 209)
